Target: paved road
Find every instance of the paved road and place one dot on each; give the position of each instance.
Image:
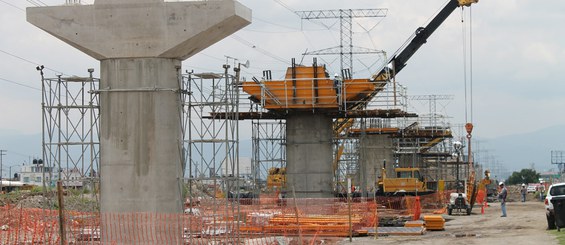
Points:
(525, 224)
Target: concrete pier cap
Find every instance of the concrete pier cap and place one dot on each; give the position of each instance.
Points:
(142, 28)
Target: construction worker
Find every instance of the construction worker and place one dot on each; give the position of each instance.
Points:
(337, 86)
(502, 197)
(523, 191)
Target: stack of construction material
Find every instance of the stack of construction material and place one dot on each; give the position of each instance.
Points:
(328, 225)
(434, 222)
(414, 223)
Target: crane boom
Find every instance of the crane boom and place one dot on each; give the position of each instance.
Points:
(421, 36)
(398, 61)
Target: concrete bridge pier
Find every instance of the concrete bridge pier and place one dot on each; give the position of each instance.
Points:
(141, 44)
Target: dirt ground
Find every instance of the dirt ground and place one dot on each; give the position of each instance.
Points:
(525, 224)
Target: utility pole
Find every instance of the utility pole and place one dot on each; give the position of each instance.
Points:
(2, 153)
(345, 48)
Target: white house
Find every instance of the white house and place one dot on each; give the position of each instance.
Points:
(36, 174)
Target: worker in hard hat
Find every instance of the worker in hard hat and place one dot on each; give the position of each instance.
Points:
(523, 192)
(337, 85)
(502, 197)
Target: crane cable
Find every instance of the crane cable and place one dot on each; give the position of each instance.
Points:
(468, 64)
(471, 61)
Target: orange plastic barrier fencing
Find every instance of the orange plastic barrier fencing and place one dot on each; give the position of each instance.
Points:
(212, 221)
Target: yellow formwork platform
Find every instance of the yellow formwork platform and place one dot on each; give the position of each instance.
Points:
(307, 90)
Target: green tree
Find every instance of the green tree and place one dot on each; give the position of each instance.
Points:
(524, 176)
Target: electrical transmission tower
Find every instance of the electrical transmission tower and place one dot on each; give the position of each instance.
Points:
(345, 48)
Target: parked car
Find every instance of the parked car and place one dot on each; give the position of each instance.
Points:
(531, 189)
(555, 190)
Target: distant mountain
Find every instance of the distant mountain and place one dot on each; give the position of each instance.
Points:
(515, 152)
(519, 151)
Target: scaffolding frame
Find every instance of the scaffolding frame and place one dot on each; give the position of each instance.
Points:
(211, 145)
(268, 149)
(347, 147)
(70, 131)
(346, 156)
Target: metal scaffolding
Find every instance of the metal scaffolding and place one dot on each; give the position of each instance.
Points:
(269, 149)
(346, 163)
(211, 143)
(70, 111)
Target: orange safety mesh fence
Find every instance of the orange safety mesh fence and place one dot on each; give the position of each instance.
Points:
(258, 221)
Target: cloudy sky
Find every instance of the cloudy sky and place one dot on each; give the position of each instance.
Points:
(518, 52)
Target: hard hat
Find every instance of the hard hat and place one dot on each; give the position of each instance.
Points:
(523, 184)
(336, 75)
(501, 183)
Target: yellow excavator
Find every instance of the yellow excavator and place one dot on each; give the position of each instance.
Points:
(276, 177)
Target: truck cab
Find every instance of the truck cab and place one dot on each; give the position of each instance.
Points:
(406, 181)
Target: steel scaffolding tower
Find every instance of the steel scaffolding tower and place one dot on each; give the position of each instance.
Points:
(211, 144)
(211, 125)
(346, 163)
(268, 147)
(70, 109)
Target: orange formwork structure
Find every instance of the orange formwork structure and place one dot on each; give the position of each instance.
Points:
(307, 87)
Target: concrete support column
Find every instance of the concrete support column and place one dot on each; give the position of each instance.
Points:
(140, 127)
(309, 155)
(140, 44)
(374, 150)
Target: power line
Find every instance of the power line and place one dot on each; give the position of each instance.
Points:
(20, 84)
(31, 62)
(36, 3)
(12, 5)
(260, 50)
(41, 2)
(285, 6)
(275, 24)
(296, 29)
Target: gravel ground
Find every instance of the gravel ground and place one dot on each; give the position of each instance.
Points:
(525, 224)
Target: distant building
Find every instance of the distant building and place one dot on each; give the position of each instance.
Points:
(37, 174)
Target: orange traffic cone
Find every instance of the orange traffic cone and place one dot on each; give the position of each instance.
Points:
(417, 209)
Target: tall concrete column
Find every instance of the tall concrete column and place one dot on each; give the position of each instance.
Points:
(141, 44)
(309, 155)
(140, 142)
(375, 149)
